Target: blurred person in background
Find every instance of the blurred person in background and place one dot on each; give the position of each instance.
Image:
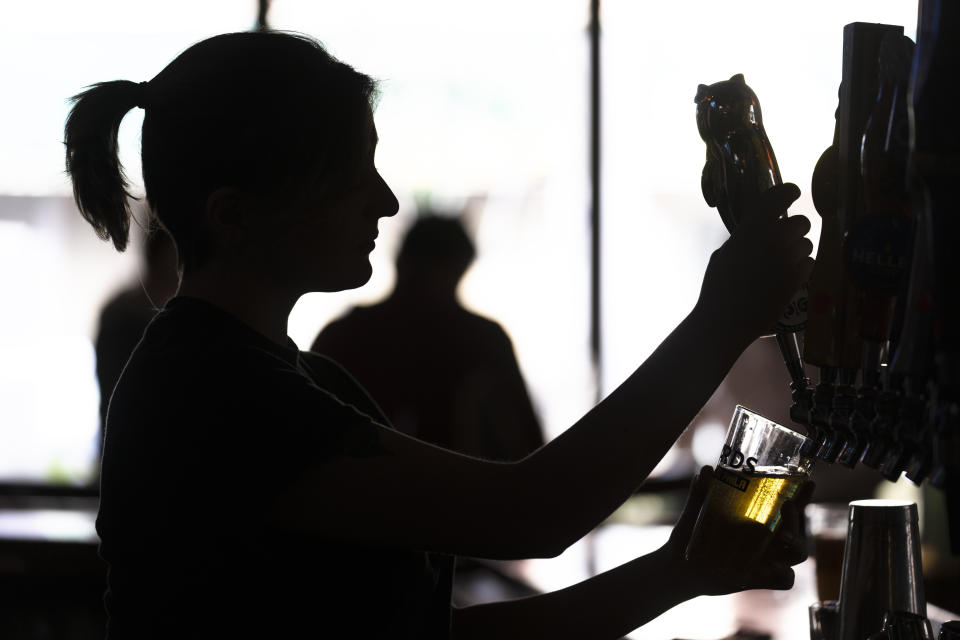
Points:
(128, 312)
(250, 489)
(453, 379)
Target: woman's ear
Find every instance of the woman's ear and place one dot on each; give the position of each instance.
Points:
(227, 217)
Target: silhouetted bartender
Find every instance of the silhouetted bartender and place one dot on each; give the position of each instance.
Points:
(250, 489)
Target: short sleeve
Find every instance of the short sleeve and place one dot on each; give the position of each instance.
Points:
(263, 423)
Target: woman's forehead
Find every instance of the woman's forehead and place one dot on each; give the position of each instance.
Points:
(373, 138)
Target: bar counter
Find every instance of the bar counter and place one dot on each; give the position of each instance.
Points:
(56, 545)
(777, 615)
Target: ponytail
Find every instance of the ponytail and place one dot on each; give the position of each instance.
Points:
(90, 135)
(267, 113)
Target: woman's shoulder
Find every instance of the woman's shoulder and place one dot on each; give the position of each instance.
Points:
(329, 375)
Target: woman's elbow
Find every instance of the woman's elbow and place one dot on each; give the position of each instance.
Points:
(543, 538)
(537, 526)
(552, 549)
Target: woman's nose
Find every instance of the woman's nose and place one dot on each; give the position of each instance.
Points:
(389, 205)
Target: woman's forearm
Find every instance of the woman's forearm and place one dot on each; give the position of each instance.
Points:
(609, 605)
(605, 456)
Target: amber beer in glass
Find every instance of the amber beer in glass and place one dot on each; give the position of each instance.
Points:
(760, 467)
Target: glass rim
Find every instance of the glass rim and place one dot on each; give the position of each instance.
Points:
(786, 430)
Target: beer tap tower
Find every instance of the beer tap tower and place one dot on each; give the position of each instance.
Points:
(933, 174)
(844, 416)
(882, 324)
(882, 321)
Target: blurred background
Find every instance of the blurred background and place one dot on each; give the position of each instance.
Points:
(485, 107)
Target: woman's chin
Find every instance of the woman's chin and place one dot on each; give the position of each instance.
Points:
(352, 279)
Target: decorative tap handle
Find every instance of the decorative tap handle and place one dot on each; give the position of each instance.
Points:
(740, 165)
(740, 161)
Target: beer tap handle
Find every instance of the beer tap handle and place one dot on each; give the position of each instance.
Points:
(920, 463)
(740, 164)
(876, 248)
(790, 350)
(832, 340)
(864, 406)
(880, 440)
(820, 411)
(934, 175)
(801, 392)
(841, 409)
(821, 344)
(903, 432)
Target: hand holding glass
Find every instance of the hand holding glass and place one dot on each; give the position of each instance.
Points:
(760, 468)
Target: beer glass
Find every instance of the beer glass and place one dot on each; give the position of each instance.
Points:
(760, 467)
(827, 528)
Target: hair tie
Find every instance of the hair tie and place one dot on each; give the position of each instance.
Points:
(142, 94)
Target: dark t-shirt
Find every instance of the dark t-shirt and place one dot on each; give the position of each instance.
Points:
(209, 422)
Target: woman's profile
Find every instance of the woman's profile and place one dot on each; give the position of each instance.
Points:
(249, 489)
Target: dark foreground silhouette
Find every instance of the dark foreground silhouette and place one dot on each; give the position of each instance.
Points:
(252, 490)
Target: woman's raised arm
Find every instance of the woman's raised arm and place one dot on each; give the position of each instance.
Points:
(418, 496)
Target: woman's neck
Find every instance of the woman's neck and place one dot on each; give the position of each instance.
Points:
(259, 304)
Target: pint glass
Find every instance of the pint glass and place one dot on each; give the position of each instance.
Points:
(827, 528)
(760, 467)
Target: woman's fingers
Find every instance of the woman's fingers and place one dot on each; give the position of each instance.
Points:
(800, 250)
(797, 224)
(790, 543)
(688, 517)
(776, 576)
(774, 202)
(791, 548)
(805, 268)
(769, 575)
(805, 494)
